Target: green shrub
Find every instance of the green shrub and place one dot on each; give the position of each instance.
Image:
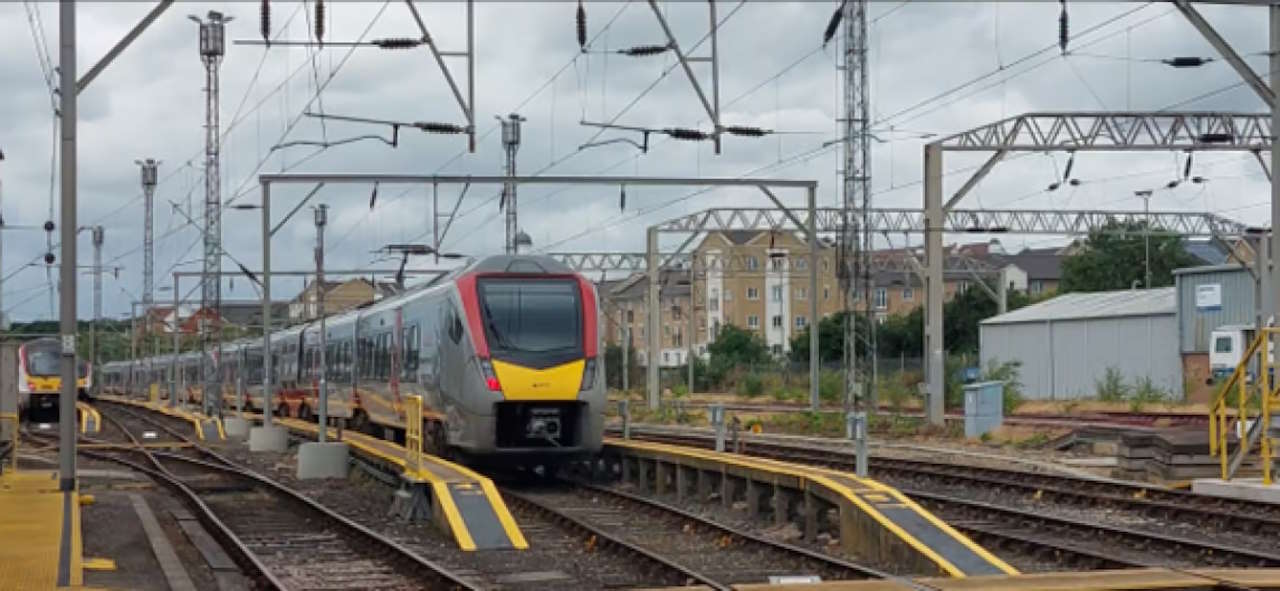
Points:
(1111, 388)
(1009, 373)
(831, 386)
(1146, 392)
(751, 385)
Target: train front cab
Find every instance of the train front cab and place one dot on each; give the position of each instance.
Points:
(534, 382)
(40, 382)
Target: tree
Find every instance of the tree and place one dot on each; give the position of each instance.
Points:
(1114, 258)
(830, 339)
(736, 346)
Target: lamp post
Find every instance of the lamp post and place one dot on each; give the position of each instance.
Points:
(1145, 195)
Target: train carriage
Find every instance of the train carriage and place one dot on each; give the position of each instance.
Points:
(504, 353)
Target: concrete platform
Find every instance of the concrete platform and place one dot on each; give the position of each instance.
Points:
(1245, 489)
(323, 460)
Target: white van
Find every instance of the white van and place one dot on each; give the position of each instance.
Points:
(1226, 344)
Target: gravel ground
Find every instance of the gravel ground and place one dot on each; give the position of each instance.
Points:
(554, 558)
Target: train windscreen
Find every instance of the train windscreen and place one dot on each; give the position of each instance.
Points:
(536, 322)
(43, 360)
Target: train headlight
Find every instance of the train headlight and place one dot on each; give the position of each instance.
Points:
(588, 374)
(490, 378)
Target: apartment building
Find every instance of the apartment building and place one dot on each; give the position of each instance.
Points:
(759, 280)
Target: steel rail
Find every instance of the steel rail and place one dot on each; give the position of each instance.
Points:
(424, 568)
(676, 573)
(798, 552)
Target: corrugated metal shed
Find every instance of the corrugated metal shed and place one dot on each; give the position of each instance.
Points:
(1233, 305)
(1101, 304)
(1066, 344)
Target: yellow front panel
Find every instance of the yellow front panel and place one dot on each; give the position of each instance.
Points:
(42, 384)
(554, 383)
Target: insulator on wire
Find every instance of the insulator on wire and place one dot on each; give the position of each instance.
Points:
(1071, 161)
(433, 127)
(833, 24)
(680, 133)
(644, 50)
(622, 198)
(264, 22)
(745, 130)
(1064, 28)
(1173, 184)
(582, 27)
(320, 21)
(373, 197)
(397, 43)
(1186, 61)
(1186, 169)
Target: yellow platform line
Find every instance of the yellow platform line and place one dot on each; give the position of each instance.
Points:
(439, 485)
(822, 477)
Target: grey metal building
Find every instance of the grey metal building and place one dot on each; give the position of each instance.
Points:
(1209, 297)
(1065, 344)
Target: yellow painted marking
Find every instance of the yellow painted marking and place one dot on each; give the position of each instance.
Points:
(86, 500)
(100, 564)
(554, 383)
(31, 506)
(876, 498)
(822, 477)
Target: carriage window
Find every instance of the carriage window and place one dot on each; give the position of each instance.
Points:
(412, 346)
(455, 326)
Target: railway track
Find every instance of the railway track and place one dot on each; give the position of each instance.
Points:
(692, 547)
(1036, 532)
(1161, 503)
(278, 536)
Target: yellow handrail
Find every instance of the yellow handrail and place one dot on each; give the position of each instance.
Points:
(413, 433)
(1220, 423)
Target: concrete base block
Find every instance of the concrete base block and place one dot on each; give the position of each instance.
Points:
(271, 438)
(235, 427)
(1243, 489)
(322, 460)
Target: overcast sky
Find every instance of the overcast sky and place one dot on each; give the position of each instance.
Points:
(773, 74)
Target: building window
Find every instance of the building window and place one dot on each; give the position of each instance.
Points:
(753, 293)
(775, 293)
(753, 263)
(908, 294)
(753, 321)
(631, 316)
(675, 312)
(777, 321)
(777, 350)
(713, 305)
(1037, 286)
(802, 293)
(826, 264)
(777, 262)
(881, 298)
(962, 287)
(728, 295)
(826, 293)
(802, 264)
(801, 322)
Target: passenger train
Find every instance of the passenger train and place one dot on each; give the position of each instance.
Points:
(504, 351)
(40, 380)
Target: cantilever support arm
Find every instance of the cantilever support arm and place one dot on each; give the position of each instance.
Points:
(120, 46)
(1224, 49)
(712, 112)
(975, 179)
(467, 108)
(786, 211)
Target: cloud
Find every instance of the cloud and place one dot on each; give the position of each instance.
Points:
(773, 74)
